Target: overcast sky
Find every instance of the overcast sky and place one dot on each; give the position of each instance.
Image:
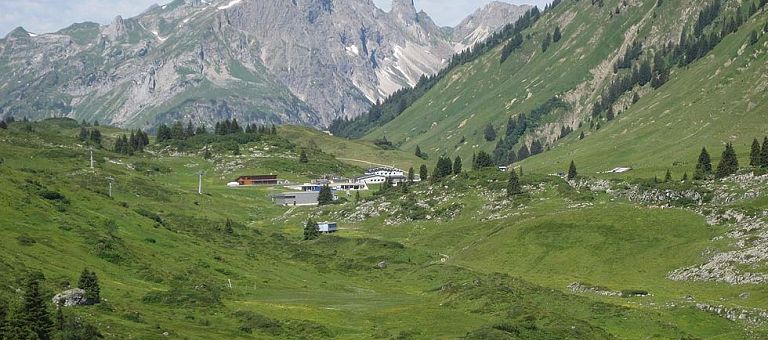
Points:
(43, 16)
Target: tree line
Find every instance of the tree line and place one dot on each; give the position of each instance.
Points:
(177, 131)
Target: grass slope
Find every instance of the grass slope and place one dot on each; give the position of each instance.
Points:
(165, 259)
(717, 99)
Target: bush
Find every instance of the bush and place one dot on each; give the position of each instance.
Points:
(52, 196)
(150, 215)
(627, 293)
(26, 240)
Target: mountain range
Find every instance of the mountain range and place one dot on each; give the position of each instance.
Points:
(281, 61)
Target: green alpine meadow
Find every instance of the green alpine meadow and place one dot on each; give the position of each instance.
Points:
(347, 169)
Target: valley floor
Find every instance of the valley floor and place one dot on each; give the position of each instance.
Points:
(588, 259)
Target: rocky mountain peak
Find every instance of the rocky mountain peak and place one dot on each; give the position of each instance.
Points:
(404, 10)
(117, 29)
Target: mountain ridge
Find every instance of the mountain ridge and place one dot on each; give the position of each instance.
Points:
(296, 62)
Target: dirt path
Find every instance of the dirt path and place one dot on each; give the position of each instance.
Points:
(362, 161)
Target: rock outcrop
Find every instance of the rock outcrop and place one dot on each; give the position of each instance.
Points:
(72, 297)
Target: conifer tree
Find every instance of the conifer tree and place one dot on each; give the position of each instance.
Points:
(90, 284)
(572, 173)
(423, 172)
(411, 174)
(3, 125)
(489, 133)
(229, 227)
(325, 197)
(164, 133)
(729, 163)
(457, 165)
(95, 137)
(311, 230)
(34, 309)
(190, 130)
(234, 127)
(557, 35)
(418, 152)
(668, 176)
(685, 177)
(513, 185)
(483, 160)
(83, 134)
(705, 162)
(547, 41)
(303, 157)
(755, 159)
(764, 154)
(16, 325)
(177, 131)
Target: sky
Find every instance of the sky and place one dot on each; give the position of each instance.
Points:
(44, 16)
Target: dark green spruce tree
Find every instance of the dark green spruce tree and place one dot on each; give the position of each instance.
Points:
(311, 230)
(764, 154)
(411, 174)
(703, 166)
(89, 282)
(423, 172)
(483, 160)
(572, 173)
(457, 165)
(729, 163)
(33, 310)
(489, 133)
(303, 157)
(326, 196)
(513, 185)
(755, 159)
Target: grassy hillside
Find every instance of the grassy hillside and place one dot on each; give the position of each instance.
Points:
(356, 152)
(464, 261)
(715, 99)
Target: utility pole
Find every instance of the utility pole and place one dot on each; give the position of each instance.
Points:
(200, 183)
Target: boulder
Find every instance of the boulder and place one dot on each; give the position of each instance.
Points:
(72, 297)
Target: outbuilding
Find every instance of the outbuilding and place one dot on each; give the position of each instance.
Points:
(327, 227)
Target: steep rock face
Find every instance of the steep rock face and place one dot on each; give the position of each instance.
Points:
(481, 24)
(281, 61)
